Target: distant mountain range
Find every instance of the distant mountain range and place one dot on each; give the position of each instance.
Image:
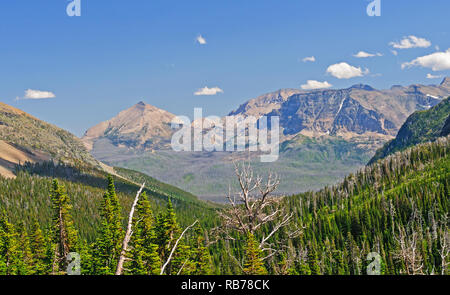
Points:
(353, 112)
(349, 112)
(325, 135)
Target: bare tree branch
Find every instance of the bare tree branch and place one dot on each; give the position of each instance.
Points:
(128, 234)
(163, 268)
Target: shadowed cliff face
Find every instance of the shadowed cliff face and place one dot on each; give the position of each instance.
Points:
(445, 83)
(329, 112)
(356, 110)
(446, 129)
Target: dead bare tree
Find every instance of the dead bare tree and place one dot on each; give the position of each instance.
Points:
(444, 252)
(128, 234)
(163, 268)
(444, 240)
(253, 208)
(408, 240)
(409, 252)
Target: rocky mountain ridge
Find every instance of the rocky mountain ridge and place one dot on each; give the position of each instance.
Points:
(357, 111)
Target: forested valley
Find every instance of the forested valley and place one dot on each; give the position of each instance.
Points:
(395, 210)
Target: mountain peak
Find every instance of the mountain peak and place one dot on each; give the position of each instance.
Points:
(134, 127)
(363, 87)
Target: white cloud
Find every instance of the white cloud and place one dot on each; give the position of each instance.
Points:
(430, 76)
(363, 54)
(411, 42)
(36, 94)
(208, 91)
(345, 71)
(309, 58)
(394, 52)
(201, 40)
(438, 61)
(313, 84)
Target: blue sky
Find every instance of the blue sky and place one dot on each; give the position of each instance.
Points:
(120, 52)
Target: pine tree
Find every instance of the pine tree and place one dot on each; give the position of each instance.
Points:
(25, 258)
(144, 255)
(202, 257)
(167, 231)
(87, 258)
(313, 261)
(39, 250)
(304, 269)
(108, 245)
(64, 232)
(8, 247)
(253, 263)
(117, 230)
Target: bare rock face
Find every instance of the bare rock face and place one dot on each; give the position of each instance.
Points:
(141, 126)
(332, 112)
(350, 112)
(264, 104)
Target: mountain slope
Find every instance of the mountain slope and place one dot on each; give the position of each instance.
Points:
(32, 153)
(264, 104)
(404, 196)
(31, 144)
(39, 140)
(25, 138)
(420, 127)
(353, 111)
(11, 155)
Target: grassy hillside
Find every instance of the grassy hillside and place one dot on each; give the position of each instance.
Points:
(420, 127)
(29, 133)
